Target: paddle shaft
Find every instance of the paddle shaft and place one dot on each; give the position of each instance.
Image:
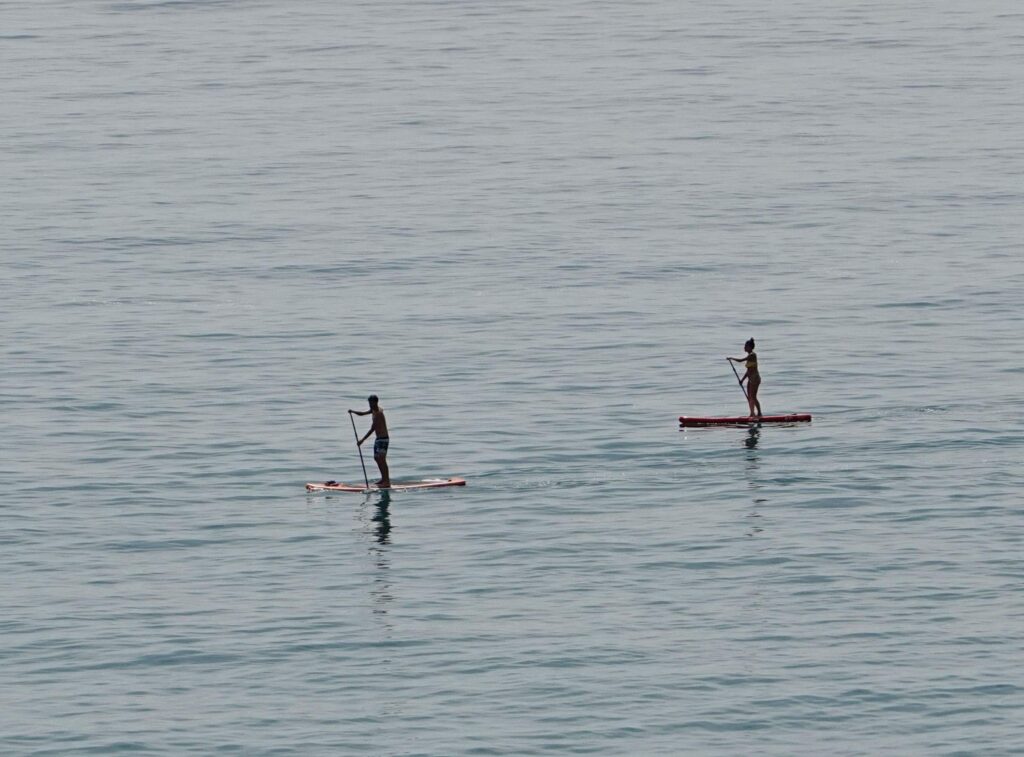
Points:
(360, 448)
(739, 380)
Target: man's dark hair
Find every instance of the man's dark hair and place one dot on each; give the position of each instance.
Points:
(372, 399)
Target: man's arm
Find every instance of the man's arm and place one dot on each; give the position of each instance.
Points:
(360, 412)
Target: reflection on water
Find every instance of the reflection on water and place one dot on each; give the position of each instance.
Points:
(381, 589)
(382, 519)
(753, 437)
(750, 441)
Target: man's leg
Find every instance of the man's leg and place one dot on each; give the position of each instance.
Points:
(385, 475)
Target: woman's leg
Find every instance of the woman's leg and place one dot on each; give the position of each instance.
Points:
(752, 398)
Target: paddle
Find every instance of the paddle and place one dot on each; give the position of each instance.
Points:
(360, 448)
(738, 379)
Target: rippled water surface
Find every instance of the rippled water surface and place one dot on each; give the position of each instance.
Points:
(535, 230)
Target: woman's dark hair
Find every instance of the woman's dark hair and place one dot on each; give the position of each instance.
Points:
(749, 344)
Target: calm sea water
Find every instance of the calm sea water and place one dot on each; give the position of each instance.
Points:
(535, 230)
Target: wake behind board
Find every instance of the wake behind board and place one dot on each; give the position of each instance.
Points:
(397, 486)
(742, 420)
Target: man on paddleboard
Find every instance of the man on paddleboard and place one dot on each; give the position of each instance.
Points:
(380, 444)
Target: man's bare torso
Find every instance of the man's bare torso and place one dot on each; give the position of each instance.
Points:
(380, 425)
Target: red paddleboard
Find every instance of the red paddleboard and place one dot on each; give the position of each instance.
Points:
(742, 420)
(397, 486)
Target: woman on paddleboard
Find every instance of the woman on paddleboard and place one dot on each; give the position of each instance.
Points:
(752, 377)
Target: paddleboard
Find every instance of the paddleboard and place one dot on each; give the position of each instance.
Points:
(742, 420)
(426, 483)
